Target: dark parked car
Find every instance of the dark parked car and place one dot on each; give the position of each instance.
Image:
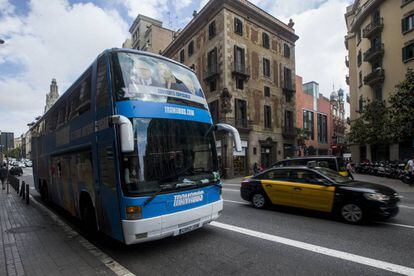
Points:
(329, 161)
(16, 171)
(320, 189)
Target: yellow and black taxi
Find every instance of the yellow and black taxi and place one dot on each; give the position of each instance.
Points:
(320, 189)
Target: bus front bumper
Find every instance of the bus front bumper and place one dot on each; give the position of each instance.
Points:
(137, 231)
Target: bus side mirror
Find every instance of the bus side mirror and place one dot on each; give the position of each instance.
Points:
(126, 132)
(234, 132)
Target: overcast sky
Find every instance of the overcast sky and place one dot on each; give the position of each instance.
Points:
(47, 39)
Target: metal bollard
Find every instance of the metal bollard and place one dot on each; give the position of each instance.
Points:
(18, 187)
(23, 192)
(27, 193)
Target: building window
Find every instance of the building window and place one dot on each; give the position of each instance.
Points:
(361, 104)
(212, 62)
(286, 51)
(408, 52)
(266, 40)
(322, 128)
(239, 61)
(308, 124)
(267, 117)
(360, 79)
(267, 91)
(182, 56)
(407, 23)
(358, 36)
(266, 67)
(191, 48)
(192, 67)
(289, 119)
(212, 30)
(240, 112)
(239, 83)
(359, 58)
(377, 94)
(214, 110)
(238, 26)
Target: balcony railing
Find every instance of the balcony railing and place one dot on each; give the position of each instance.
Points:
(374, 53)
(373, 28)
(289, 132)
(347, 61)
(362, 11)
(211, 72)
(240, 70)
(347, 79)
(374, 78)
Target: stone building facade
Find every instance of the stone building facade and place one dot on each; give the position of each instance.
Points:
(148, 34)
(380, 44)
(245, 59)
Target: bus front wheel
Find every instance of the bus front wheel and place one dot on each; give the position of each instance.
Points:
(89, 218)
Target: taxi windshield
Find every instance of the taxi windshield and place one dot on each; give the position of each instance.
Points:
(335, 176)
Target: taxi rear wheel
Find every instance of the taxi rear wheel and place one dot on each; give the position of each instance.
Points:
(352, 213)
(259, 201)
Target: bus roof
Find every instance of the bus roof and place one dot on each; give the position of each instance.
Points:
(105, 52)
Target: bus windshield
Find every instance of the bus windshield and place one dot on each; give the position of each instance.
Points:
(172, 153)
(147, 78)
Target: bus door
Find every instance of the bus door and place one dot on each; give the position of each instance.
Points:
(105, 165)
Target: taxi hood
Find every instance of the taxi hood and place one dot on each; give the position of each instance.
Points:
(368, 187)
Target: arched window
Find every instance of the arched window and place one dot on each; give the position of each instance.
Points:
(191, 48)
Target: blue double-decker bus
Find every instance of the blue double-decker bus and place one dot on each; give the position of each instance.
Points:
(129, 149)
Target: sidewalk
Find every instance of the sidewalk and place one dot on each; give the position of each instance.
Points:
(32, 243)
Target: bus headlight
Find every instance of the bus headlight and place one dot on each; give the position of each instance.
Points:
(133, 212)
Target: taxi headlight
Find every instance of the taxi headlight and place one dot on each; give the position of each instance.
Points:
(376, 196)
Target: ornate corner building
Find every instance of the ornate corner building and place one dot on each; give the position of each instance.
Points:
(245, 59)
(380, 44)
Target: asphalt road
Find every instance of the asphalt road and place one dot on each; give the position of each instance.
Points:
(279, 241)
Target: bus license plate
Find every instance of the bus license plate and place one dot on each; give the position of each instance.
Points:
(188, 229)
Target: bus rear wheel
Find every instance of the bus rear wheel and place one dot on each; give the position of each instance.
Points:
(89, 218)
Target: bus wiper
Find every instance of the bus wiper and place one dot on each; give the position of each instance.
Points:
(160, 190)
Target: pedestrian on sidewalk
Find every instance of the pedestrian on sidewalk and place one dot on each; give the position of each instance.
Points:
(3, 176)
(350, 169)
(255, 168)
(410, 168)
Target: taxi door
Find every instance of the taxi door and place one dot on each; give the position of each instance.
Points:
(307, 192)
(277, 188)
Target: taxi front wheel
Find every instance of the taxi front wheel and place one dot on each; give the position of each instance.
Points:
(351, 213)
(259, 201)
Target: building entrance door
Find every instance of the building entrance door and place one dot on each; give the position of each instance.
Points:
(266, 156)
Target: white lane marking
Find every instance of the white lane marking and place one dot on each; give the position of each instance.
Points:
(238, 202)
(407, 207)
(237, 185)
(113, 265)
(318, 249)
(378, 222)
(231, 190)
(396, 224)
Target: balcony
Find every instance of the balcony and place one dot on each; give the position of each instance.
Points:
(241, 71)
(373, 28)
(347, 79)
(211, 73)
(361, 13)
(374, 53)
(289, 132)
(375, 78)
(347, 61)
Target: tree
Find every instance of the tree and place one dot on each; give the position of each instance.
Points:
(402, 109)
(373, 126)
